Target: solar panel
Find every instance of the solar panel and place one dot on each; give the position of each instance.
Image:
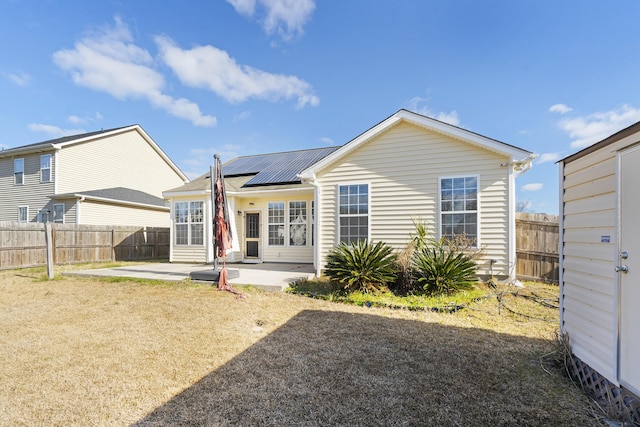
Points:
(276, 168)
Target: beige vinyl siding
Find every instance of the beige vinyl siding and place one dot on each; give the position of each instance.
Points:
(285, 253)
(403, 167)
(588, 290)
(99, 213)
(32, 193)
(120, 160)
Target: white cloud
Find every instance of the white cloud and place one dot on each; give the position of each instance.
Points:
(54, 131)
(201, 159)
(326, 140)
(211, 68)
(21, 79)
(82, 120)
(536, 186)
(588, 130)
(110, 62)
(287, 18)
(560, 108)
(415, 104)
(242, 116)
(548, 157)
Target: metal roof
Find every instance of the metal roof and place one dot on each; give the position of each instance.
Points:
(118, 194)
(275, 168)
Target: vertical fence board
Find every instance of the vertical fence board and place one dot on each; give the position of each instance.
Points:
(24, 245)
(537, 255)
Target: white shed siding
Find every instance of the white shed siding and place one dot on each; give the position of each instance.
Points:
(588, 279)
(96, 213)
(32, 193)
(121, 160)
(403, 166)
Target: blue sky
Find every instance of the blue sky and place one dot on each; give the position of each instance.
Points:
(243, 77)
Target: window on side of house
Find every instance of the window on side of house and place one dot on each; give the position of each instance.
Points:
(23, 213)
(276, 223)
(298, 223)
(353, 212)
(45, 168)
(18, 171)
(43, 216)
(188, 219)
(181, 223)
(196, 220)
(58, 213)
(459, 207)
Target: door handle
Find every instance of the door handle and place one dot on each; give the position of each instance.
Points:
(621, 269)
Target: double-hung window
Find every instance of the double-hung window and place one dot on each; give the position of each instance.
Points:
(58, 212)
(45, 168)
(298, 223)
(18, 171)
(23, 213)
(188, 218)
(459, 207)
(353, 212)
(276, 223)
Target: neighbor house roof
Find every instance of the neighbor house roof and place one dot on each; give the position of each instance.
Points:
(58, 143)
(119, 195)
(518, 156)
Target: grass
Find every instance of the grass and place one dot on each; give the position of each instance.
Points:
(83, 351)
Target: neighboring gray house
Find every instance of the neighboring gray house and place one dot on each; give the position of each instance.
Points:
(113, 177)
(296, 206)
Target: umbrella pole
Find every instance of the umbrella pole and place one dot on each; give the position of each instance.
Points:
(214, 178)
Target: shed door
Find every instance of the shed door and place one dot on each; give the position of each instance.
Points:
(629, 281)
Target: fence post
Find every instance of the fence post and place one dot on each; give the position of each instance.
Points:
(48, 237)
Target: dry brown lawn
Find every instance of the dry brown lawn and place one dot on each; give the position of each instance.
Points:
(85, 352)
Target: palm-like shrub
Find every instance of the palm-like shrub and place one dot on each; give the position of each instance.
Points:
(361, 266)
(442, 270)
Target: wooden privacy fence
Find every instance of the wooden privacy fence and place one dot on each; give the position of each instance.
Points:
(24, 244)
(537, 255)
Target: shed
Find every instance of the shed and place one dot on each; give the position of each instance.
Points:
(600, 256)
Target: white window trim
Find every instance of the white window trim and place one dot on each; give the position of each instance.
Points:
(369, 192)
(44, 211)
(289, 224)
(27, 210)
(53, 213)
(188, 223)
(14, 171)
(41, 168)
(478, 204)
(285, 208)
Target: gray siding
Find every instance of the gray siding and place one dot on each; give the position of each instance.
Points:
(32, 193)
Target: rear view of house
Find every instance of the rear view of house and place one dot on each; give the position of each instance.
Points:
(113, 177)
(296, 206)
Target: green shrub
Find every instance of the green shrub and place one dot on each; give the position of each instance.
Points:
(442, 270)
(361, 266)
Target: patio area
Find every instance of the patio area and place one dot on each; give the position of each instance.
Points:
(272, 276)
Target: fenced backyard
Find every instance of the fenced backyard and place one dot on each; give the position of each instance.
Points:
(25, 245)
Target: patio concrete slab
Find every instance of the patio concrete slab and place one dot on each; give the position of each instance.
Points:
(273, 276)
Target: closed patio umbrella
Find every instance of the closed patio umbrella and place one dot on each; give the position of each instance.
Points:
(222, 239)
